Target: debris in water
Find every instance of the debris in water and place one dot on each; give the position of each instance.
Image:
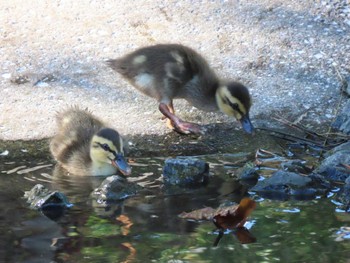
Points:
(4, 153)
(33, 169)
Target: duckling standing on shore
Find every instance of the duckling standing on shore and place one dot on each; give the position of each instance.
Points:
(170, 71)
(84, 145)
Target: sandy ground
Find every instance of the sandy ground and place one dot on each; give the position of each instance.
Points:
(287, 52)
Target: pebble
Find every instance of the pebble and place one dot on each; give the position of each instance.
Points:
(6, 75)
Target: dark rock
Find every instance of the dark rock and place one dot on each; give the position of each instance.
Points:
(295, 166)
(342, 122)
(51, 204)
(114, 188)
(180, 171)
(332, 167)
(283, 185)
(248, 173)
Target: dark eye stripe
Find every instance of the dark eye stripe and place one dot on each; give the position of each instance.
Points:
(233, 106)
(106, 148)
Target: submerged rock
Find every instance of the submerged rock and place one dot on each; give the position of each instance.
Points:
(342, 122)
(332, 167)
(180, 171)
(283, 185)
(51, 204)
(114, 188)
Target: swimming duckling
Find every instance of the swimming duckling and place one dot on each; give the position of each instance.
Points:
(84, 145)
(170, 71)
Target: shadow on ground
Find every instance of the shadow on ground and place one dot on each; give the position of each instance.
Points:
(220, 138)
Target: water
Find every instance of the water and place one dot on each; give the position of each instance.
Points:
(146, 227)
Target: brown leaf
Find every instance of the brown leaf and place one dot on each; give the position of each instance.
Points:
(235, 218)
(223, 214)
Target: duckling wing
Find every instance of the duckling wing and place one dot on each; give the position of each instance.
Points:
(72, 142)
(158, 71)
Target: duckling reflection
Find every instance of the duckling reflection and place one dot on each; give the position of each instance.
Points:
(84, 145)
(170, 71)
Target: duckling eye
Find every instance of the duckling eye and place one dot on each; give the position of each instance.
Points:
(234, 106)
(105, 146)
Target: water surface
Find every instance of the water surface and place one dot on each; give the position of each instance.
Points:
(146, 227)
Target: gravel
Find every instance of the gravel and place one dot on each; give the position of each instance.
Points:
(290, 54)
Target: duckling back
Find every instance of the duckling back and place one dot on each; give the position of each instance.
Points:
(71, 145)
(168, 71)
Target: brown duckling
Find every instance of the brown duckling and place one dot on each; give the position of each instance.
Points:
(84, 145)
(170, 71)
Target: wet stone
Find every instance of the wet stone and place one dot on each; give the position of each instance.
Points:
(248, 172)
(284, 185)
(51, 204)
(342, 122)
(346, 86)
(181, 171)
(333, 169)
(295, 166)
(345, 147)
(114, 188)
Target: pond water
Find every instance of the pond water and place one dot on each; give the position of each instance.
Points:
(146, 227)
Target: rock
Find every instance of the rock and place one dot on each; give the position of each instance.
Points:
(248, 173)
(114, 188)
(295, 166)
(344, 196)
(283, 185)
(342, 122)
(346, 86)
(51, 204)
(180, 171)
(332, 167)
(345, 147)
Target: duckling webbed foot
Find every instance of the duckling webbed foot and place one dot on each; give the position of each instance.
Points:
(179, 125)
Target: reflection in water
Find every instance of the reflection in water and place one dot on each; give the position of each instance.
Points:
(146, 227)
(241, 233)
(36, 237)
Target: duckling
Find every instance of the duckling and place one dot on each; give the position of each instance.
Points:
(84, 145)
(171, 71)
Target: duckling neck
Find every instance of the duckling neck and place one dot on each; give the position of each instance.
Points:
(201, 93)
(101, 168)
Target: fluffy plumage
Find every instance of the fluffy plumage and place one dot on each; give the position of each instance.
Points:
(171, 71)
(83, 145)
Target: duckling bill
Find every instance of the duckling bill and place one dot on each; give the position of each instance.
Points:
(171, 71)
(84, 145)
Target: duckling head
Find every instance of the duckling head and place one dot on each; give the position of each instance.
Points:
(234, 100)
(107, 147)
